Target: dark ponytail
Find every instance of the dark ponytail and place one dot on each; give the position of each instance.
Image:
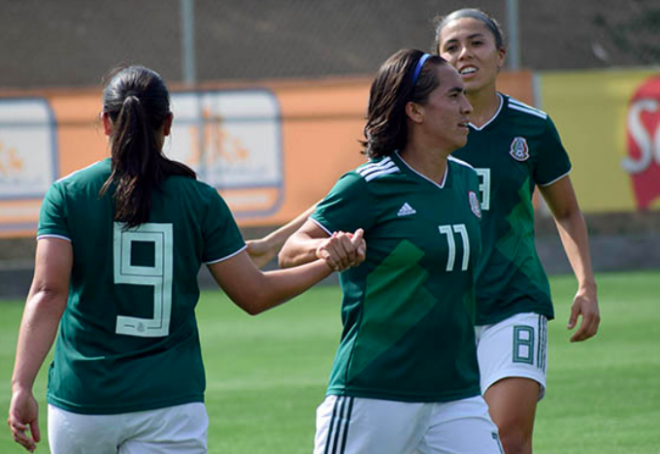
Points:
(137, 103)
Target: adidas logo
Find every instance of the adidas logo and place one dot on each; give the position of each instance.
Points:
(406, 210)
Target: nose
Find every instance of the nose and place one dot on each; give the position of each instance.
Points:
(466, 107)
(463, 52)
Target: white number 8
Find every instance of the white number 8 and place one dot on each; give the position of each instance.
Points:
(159, 276)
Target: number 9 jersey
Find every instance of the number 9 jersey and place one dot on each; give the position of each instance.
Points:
(128, 339)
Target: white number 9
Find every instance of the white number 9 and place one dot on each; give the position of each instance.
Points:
(159, 276)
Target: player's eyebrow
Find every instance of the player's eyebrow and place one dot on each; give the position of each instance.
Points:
(472, 36)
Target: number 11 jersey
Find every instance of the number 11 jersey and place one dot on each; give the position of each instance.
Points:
(408, 309)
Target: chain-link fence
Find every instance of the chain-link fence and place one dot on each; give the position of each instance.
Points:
(74, 42)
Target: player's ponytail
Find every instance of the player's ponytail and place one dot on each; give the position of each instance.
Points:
(137, 103)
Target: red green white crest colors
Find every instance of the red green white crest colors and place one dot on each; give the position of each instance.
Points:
(519, 149)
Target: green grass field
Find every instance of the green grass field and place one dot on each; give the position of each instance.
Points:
(266, 375)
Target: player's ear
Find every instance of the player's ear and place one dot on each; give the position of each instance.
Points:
(501, 55)
(167, 124)
(107, 124)
(415, 111)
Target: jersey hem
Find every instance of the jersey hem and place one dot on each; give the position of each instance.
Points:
(226, 257)
(399, 397)
(53, 235)
(113, 410)
(549, 183)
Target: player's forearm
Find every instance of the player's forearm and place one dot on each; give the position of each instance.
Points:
(299, 249)
(282, 285)
(36, 336)
(575, 239)
(277, 238)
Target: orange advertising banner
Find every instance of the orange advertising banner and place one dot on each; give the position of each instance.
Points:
(271, 150)
(609, 122)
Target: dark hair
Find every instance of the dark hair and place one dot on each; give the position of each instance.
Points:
(137, 102)
(473, 13)
(395, 85)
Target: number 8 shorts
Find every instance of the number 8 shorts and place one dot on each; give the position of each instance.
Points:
(515, 347)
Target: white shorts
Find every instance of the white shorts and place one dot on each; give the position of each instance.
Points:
(354, 425)
(179, 429)
(515, 347)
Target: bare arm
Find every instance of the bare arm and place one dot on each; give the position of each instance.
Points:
(43, 310)
(262, 250)
(255, 291)
(572, 228)
(340, 250)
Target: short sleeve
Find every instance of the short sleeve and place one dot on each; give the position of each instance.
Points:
(347, 207)
(222, 237)
(553, 162)
(53, 214)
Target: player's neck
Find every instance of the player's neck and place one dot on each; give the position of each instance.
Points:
(485, 104)
(431, 164)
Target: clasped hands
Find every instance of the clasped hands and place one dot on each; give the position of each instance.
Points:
(343, 250)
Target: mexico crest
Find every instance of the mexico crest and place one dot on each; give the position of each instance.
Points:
(519, 149)
(475, 205)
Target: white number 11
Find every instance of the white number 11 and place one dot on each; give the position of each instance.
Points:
(449, 230)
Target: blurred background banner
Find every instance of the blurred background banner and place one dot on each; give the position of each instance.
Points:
(610, 123)
(269, 100)
(271, 149)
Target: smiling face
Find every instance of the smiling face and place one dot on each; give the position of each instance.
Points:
(444, 116)
(469, 46)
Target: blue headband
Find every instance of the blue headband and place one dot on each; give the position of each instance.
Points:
(418, 68)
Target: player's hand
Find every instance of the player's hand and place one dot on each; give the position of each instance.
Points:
(343, 250)
(260, 251)
(24, 417)
(360, 247)
(585, 304)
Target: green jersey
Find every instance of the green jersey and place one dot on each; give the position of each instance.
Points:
(408, 309)
(517, 150)
(128, 339)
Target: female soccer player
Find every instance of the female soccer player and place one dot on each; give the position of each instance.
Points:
(405, 376)
(514, 148)
(120, 244)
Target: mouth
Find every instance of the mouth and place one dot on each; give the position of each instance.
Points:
(467, 71)
(464, 128)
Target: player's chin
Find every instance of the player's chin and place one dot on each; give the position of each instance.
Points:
(461, 137)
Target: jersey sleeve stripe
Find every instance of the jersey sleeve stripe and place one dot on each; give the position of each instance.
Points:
(50, 235)
(528, 110)
(370, 170)
(211, 262)
(380, 173)
(374, 167)
(555, 180)
(522, 104)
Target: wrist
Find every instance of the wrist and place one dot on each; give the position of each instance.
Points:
(588, 285)
(20, 388)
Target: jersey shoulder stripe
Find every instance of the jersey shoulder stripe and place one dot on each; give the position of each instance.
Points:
(374, 170)
(522, 107)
